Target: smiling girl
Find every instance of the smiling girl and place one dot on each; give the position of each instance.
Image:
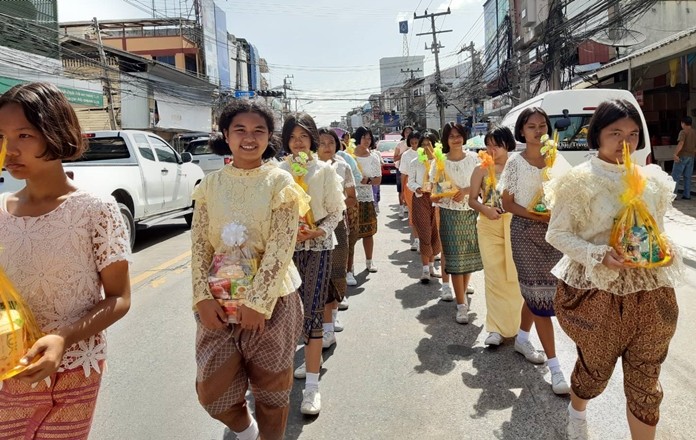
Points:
(609, 310)
(257, 352)
(313, 251)
(66, 252)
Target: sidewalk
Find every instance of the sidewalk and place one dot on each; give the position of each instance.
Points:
(680, 225)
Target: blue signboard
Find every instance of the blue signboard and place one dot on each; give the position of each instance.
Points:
(223, 57)
(403, 27)
(243, 93)
(254, 68)
(391, 120)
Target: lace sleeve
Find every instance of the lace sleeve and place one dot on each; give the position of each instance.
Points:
(201, 251)
(110, 237)
(509, 177)
(334, 201)
(277, 256)
(348, 177)
(567, 201)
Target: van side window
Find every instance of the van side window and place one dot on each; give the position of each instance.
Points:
(573, 138)
(143, 147)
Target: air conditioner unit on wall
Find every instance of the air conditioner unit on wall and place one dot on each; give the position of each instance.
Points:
(528, 13)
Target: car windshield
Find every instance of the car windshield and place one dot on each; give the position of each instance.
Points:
(573, 138)
(387, 145)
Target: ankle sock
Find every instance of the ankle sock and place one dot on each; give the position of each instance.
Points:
(554, 365)
(312, 381)
(426, 269)
(462, 306)
(334, 315)
(368, 263)
(522, 336)
(580, 415)
(328, 327)
(251, 433)
(445, 283)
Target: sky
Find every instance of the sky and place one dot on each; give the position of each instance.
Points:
(331, 48)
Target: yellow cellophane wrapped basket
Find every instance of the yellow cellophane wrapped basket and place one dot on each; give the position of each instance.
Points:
(549, 151)
(18, 328)
(636, 235)
(442, 186)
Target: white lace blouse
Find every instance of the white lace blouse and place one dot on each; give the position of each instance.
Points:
(328, 202)
(584, 204)
(459, 173)
(406, 161)
(54, 261)
(417, 174)
(370, 166)
(521, 179)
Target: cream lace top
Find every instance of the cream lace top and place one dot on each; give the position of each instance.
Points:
(328, 202)
(521, 179)
(344, 172)
(54, 261)
(416, 176)
(266, 200)
(407, 160)
(371, 166)
(459, 173)
(584, 203)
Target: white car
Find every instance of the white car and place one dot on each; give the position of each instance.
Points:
(204, 157)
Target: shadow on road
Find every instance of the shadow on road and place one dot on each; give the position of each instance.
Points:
(146, 238)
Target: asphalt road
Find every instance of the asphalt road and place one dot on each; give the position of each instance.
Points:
(402, 369)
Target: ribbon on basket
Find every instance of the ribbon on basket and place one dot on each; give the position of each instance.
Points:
(442, 184)
(18, 327)
(491, 197)
(298, 169)
(636, 235)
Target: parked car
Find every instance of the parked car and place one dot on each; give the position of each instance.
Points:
(570, 112)
(386, 150)
(151, 182)
(204, 157)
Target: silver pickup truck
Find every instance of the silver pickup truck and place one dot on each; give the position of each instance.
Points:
(151, 182)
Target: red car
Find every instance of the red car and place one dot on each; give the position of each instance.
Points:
(386, 150)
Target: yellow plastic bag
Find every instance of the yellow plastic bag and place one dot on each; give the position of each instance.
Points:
(442, 186)
(18, 328)
(298, 169)
(635, 235)
(491, 196)
(549, 151)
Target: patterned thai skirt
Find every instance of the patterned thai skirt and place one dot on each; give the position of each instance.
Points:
(460, 241)
(339, 264)
(534, 259)
(314, 268)
(367, 219)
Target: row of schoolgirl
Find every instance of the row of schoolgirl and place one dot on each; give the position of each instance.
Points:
(537, 266)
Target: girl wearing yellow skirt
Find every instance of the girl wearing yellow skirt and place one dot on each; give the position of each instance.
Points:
(610, 310)
(503, 297)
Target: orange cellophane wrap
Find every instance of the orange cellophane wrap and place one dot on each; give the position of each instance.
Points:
(635, 214)
(549, 151)
(18, 328)
(490, 195)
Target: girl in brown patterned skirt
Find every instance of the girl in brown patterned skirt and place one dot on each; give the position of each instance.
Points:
(610, 310)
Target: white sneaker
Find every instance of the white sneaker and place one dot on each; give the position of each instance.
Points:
(434, 273)
(301, 371)
(425, 276)
(328, 339)
(529, 352)
(371, 267)
(493, 339)
(350, 279)
(343, 305)
(559, 384)
(469, 290)
(438, 257)
(402, 211)
(446, 294)
(338, 325)
(462, 315)
(415, 245)
(311, 402)
(577, 429)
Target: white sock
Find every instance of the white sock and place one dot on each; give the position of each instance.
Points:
(312, 381)
(368, 262)
(328, 327)
(461, 306)
(431, 265)
(334, 314)
(445, 283)
(554, 365)
(426, 268)
(522, 336)
(580, 415)
(251, 433)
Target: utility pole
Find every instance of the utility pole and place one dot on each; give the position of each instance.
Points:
(435, 48)
(106, 81)
(554, 42)
(411, 71)
(474, 80)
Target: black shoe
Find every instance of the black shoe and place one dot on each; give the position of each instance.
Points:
(686, 198)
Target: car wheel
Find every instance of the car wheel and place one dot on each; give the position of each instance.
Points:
(189, 217)
(130, 223)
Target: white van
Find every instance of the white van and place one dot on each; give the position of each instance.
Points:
(570, 112)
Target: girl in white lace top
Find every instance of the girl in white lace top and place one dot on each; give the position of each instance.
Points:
(263, 198)
(612, 311)
(313, 252)
(66, 253)
(534, 257)
(458, 237)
